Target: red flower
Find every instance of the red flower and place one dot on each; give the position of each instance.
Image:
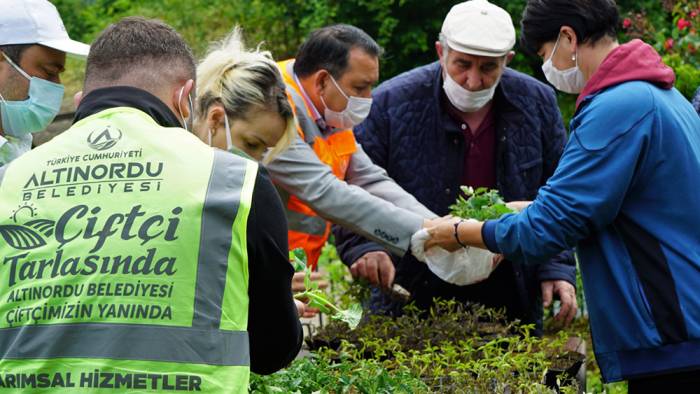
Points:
(693, 14)
(668, 44)
(683, 24)
(626, 23)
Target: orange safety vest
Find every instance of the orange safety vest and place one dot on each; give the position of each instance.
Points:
(307, 230)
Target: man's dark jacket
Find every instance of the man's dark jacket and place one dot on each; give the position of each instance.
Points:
(410, 134)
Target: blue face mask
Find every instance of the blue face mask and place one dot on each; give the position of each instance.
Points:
(35, 113)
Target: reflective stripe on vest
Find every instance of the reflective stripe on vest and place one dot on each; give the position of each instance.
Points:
(122, 259)
(156, 343)
(307, 230)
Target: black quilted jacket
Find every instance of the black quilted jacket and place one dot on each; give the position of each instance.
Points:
(412, 137)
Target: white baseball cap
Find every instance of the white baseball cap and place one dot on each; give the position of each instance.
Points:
(479, 28)
(36, 22)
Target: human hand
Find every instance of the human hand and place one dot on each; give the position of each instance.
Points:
(567, 296)
(298, 281)
(375, 267)
(434, 222)
(443, 235)
(304, 310)
(518, 205)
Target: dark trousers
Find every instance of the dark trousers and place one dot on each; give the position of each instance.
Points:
(679, 382)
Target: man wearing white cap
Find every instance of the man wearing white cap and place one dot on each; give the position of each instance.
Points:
(33, 47)
(469, 120)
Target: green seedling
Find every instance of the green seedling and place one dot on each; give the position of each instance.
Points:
(317, 298)
(449, 347)
(481, 204)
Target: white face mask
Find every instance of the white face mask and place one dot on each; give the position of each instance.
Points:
(466, 100)
(36, 112)
(229, 143)
(354, 113)
(570, 80)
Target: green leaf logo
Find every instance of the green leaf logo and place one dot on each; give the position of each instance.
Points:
(21, 237)
(44, 226)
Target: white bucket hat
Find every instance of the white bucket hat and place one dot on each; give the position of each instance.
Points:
(36, 22)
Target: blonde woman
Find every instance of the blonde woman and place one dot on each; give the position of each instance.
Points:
(241, 103)
(242, 107)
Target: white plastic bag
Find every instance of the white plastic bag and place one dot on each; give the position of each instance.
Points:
(462, 267)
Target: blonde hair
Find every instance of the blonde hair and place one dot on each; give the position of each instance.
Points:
(242, 81)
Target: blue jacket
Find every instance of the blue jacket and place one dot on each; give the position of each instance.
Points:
(696, 101)
(409, 133)
(626, 192)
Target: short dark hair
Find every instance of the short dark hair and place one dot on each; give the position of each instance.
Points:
(146, 52)
(591, 20)
(328, 48)
(14, 52)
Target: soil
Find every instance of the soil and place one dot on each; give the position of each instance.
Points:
(449, 324)
(418, 330)
(566, 361)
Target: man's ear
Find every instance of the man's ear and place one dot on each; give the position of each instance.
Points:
(509, 57)
(3, 65)
(439, 50)
(77, 98)
(181, 98)
(320, 79)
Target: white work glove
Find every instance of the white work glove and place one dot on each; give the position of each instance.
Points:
(462, 267)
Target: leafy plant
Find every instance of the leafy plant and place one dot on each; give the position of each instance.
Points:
(317, 298)
(343, 289)
(447, 349)
(451, 347)
(481, 204)
(320, 374)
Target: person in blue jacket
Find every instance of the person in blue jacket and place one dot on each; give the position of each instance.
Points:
(467, 119)
(625, 194)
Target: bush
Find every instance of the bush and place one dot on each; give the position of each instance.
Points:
(670, 26)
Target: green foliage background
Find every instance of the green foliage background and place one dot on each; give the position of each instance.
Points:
(407, 29)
